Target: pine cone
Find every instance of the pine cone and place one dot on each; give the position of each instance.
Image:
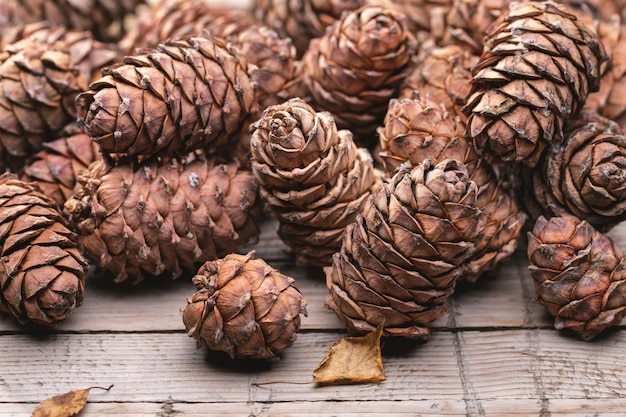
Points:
(104, 18)
(244, 307)
(184, 95)
(162, 215)
(585, 176)
(301, 20)
(42, 273)
(443, 74)
(357, 66)
(579, 273)
(41, 73)
(402, 257)
(422, 15)
(313, 177)
(56, 168)
(180, 19)
(538, 67)
(417, 129)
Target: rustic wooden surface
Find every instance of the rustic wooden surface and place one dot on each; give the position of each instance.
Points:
(494, 354)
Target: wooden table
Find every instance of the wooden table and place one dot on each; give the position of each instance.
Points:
(494, 354)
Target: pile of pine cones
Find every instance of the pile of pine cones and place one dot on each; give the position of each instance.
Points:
(402, 146)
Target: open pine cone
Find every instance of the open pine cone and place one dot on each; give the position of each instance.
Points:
(244, 307)
(538, 67)
(400, 260)
(162, 216)
(312, 176)
(42, 273)
(579, 274)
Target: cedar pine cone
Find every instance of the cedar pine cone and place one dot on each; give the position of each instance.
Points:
(184, 95)
(312, 177)
(401, 258)
(244, 307)
(42, 71)
(579, 275)
(42, 273)
(539, 64)
(585, 176)
(422, 15)
(162, 216)
(357, 66)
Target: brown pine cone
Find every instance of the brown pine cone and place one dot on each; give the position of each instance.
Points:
(579, 273)
(585, 175)
(301, 20)
(443, 74)
(417, 129)
(57, 166)
(104, 18)
(162, 216)
(181, 19)
(42, 70)
(402, 257)
(244, 307)
(422, 15)
(539, 64)
(42, 273)
(313, 178)
(357, 66)
(186, 94)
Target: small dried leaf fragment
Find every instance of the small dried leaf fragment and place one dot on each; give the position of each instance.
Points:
(352, 360)
(64, 405)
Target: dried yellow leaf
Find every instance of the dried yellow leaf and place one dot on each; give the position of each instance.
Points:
(352, 360)
(64, 405)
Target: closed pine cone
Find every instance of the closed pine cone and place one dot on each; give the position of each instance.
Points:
(244, 307)
(42, 273)
(313, 177)
(400, 260)
(162, 216)
(579, 275)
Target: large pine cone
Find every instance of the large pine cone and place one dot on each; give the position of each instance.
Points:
(244, 307)
(539, 64)
(178, 19)
(313, 177)
(42, 273)
(356, 67)
(301, 20)
(443, 74)
(57, 166)
(186, 94)
(42, 71)
(579, 273)
(417, 129)
(162, 216)
(104, 18)
(585, 176)
(401, 259)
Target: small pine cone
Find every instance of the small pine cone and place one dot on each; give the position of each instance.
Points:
(357, 66)
(42, 273)
(312, 177)
(185, 95)
(579, 274)
(417, 129)
(179, 19)
(301, 20)
(104, 18)
(162, 216)
(443, 74)
(402, 257)
(585, 175)
(244, 307)
(57, 166)
(42, 70)
(422, 15)
(540, 63)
